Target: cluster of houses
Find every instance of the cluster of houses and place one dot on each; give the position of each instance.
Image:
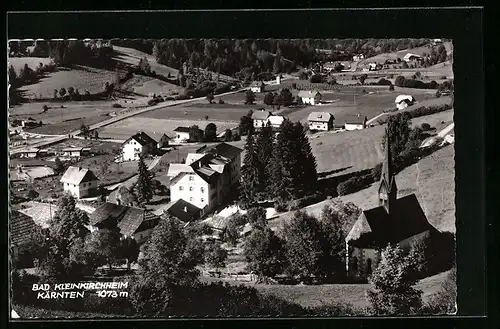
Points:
(70, 152)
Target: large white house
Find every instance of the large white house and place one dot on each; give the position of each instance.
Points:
(275, 121)
(310, 97)
(207, 178)
(79, 182)
(356, 124)
(183, 134)
(320, 121)
(257, 87)
(260, 117)
(136, 145)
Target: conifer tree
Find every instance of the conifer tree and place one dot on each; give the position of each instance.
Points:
(281, 164)
(308, 176)
(250, 172)
(264, 143)
(143, 187)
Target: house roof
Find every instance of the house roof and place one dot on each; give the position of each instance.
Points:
(356, 121)
(175, 169)
(21, 227)
(183, 210)
(225, 150)
(276, 120)
(182, 129)
(127, 219)
(308, 93)
(376, 228)
(409, 55)
(72, 149)
(257, 84)
(217, 222)
(76, 175)
(164, 137)
(320, 116)
(41, 213)
(260, 115)
(142, 138)
(33, 150)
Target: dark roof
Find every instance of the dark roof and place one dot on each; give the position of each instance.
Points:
(375, 228)
(182, 129)
(184, 211)
(142, 138)
(223, 149)
(128, 220)
(106, 211)
(22, 227)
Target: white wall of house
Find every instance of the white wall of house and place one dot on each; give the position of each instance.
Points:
(257, 123)
(353, 126)
(309, 100)
(80, 191)
(318, 125)
(131, 150)
(181, 137)
(256, 89)
(193, 189)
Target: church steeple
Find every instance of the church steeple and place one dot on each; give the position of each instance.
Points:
(387, 190)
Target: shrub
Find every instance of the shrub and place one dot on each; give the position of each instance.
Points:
(377, 172)
(391, 87)
(152, 102)
(353, 184)
(316, 78)
(117, 106)
(438, 94)
(236, 137)
(45, 108)
(384, 82)
(221, 101)
(425, 126)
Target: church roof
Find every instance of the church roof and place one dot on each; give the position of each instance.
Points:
(375, 228)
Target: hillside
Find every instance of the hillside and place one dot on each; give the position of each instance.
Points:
(381, 58)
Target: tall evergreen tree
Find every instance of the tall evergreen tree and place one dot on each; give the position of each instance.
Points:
(280, 166)
(143, 186)
(250, 172)
(307, 175)
(265, 142)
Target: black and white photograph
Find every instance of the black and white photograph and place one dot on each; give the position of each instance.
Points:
(222, 178)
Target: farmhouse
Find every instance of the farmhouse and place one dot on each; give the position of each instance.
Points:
(76, 151)
(275, 121)
(164, 140)
(21, 227)
(183, 134)
(260, 117)
(320, 121)
(30, 153)
(356, 124)
(310, 97)
(79, 182)
(258, 87)
(403, 101)
(206, 179)
(133, 222)
(357, 58)
(136, 145)
(183, 211)
(412, 57)
(395, 222)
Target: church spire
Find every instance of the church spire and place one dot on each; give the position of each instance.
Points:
(388, 189)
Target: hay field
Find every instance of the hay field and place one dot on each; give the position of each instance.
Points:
(33, 62)
(198, 111)
(85, 78)
(155, 127)
(143, 85)
(133, 56)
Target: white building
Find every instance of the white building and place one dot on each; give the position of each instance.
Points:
(310, 97)
(79, 182)
(356, 124)
(30, 153)
(260, 117)
(357, 58)
(258, 87)
(403, 101)
(275, 121)
(320, 121)
(136, 145)
(75, 151)
(207, 178)
(183, 134)
(411, 57)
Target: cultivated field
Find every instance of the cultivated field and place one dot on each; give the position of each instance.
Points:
(155, 127)
(198, 111)
(133, 56)
(33, 62)
(143, 85)
(84, 78)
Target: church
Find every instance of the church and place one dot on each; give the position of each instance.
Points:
(395, 221)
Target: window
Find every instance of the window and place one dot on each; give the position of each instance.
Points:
(202, 189)
(181, 188)
(202, 200)
(191, 199)
(190, 188)
(191, 178)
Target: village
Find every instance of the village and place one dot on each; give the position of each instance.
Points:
(238, 163)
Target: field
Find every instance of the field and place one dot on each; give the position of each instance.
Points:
(198, 111)
(155, 127)
(33, 62)
(132, 57)
(142, 85)
(84, 78)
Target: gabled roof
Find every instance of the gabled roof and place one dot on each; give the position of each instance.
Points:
(260, 115)
(183, 210)
(134, 218)
(276, 120)
(76, 175)
(175, 169)
(73, 149)
(356, 121)
(142, 138)
(320, 116)
(375, 228)
(21, 227)
(106, 211)
(182, 129)
(257, 84)
(225, 150)
(308, 93)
